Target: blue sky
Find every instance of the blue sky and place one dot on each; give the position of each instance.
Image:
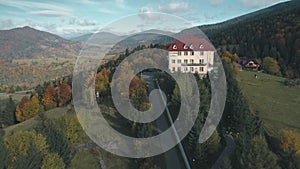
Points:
(75, 17)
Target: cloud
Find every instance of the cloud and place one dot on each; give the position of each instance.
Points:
(146, 9)
(215, 2)
(6, 24)
(25, 5)
(258, 3)
(81, 22)
(49, 13)
(173, 7)
(86, 22)
(146, 13)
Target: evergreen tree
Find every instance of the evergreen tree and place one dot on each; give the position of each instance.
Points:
(290, 160)
(226, 164)
(56, 139)
(7, 117)
(256, 154)
(32, 160)
(4, 157)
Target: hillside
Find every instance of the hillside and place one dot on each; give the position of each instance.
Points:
(85, 154)
(27, 42)
(276, 104)
(273, 31)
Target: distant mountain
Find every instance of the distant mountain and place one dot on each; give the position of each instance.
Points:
(121, 43)
(27, 42)
(105, 38)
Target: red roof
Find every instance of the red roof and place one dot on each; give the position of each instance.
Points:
(191, 43)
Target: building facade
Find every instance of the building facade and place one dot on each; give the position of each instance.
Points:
(189, 54)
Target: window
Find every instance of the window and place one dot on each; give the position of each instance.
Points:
(185, 47)
(174, 47)
(179, 53)
(186, 53)
(185, 61)
(179, 61)
(192, 61)
(192, 46)
(192, 53)
(173, 69)
(201, 53)
(201, 69)
(201, 61)
(192, 69)
(201, 46)
(173, 61)
(185, 69)
(179, 69)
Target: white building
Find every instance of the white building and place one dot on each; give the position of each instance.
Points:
(190, 54)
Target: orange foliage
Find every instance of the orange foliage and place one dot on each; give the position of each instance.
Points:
(64, 94)
(102, 81)
(28, 108)
(49, 97)
(136, 83)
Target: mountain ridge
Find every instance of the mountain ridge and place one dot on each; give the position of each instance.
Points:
(27, 42)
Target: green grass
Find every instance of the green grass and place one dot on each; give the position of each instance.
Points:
(277, 105)
(30, 124)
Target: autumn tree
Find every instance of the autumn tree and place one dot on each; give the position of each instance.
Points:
(290, 142)
(49, 97)
(28, 108)
(64, 94)
(232, 60)
(271, 66)
(102, 82)
(72, 130)
(25, 144)
(52, 161)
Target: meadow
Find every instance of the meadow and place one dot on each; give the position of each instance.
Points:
(276, 104)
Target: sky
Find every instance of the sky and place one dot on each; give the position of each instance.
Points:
(69, 18)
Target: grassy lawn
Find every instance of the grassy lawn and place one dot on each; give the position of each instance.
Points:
(277, 105)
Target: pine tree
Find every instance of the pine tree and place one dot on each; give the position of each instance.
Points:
(256, 154)
(7, 117)
(32, 160)
(56, 139)
(4, 156)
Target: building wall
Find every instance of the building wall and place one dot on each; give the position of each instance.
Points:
(207, 57)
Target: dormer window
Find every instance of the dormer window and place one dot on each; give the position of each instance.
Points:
(201, 46)
(174, 47)
(185, 47)
(192, 46)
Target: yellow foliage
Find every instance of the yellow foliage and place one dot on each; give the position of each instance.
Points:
(28, 108)
(290, 141)
(20, 142)
(52, 161)
(72, 130)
